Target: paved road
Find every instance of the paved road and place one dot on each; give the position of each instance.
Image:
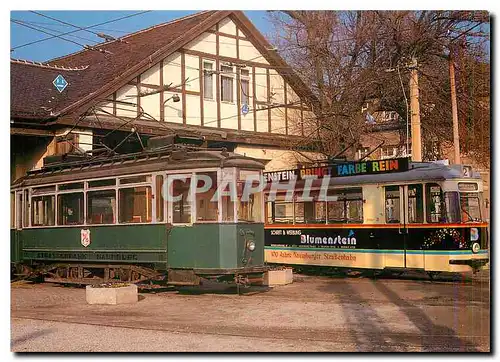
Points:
(312, 314)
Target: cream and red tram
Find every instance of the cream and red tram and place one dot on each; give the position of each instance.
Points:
(382, 214)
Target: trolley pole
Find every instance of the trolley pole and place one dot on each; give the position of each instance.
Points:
(454, 112)
(416, 153)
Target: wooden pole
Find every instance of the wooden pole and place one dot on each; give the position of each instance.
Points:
(416, 153)
(454, 113)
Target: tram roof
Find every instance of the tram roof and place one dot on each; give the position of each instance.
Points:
(417, 172)
(179, 158)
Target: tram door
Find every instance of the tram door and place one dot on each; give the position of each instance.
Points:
(413, 215)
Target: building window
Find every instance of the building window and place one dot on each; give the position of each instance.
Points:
(208, 83)
(66, 144)
(389, 152)
(135, 204)
(70, 209)
(390, 116)
(392, 207)
(245, 86)
(362, 152)
(226, 81)
(43, 210)
(101, 207)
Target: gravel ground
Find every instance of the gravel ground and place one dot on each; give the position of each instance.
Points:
(312, 314)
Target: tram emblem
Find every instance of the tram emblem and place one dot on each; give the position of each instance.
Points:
(85, 237)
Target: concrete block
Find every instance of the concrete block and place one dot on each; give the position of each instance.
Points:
(111, 295)
(278, 277)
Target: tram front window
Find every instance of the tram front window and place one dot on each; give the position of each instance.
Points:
(206, 209)
(249, 208)
(470, 207)
(181, 209)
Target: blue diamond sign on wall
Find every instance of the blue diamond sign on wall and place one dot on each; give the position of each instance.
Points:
(245, 109)
(60, 83)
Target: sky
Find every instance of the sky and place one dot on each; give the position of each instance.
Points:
(56, 47)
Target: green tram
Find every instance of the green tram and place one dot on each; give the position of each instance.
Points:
(106, 220)
(374, 215)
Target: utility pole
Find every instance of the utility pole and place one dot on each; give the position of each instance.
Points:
(454, 112)
(416, 153)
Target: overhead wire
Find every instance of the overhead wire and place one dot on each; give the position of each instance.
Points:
(87, 27)
(57, 31)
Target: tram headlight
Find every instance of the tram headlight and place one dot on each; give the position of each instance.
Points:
(251, 245)
(476, 247)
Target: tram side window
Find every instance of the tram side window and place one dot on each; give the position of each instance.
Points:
(101, 207)
(249, 210)
(434, 203)
(43, 210)
(181, 209)
(70, 209)
(452, 207)
(392, 207)
(26, 215)
(310, 212)
(415, 204)
(348, 206)
(135, 204)
(206, 209)
(280, 211)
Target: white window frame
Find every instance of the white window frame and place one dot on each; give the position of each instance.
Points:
(246, 78)
(228, 75)
(208, 72)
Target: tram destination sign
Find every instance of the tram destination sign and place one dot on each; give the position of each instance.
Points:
(354, 168)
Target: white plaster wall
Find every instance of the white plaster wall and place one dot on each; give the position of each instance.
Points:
(241, 34)
(247, 123)
(261, 84)
(172, 70)
(122, 95)
(277, 87)
(249, 52)
(151, 105)
(229, 114)
(192, 72)
(262, 119)
(294, 124)
(278, 120)
(85, 139)
(103, 107)
(173, 110)
(210, 113)
(227, 47)
(204, 43)
(193, 110)
(152, 75)
(227, 26)
(291, 96)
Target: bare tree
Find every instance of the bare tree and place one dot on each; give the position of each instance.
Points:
(344, 57)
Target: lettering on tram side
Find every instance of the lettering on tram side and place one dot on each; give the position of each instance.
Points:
(330, 238)
(338, 170)
(54, 255)
(312, 256)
